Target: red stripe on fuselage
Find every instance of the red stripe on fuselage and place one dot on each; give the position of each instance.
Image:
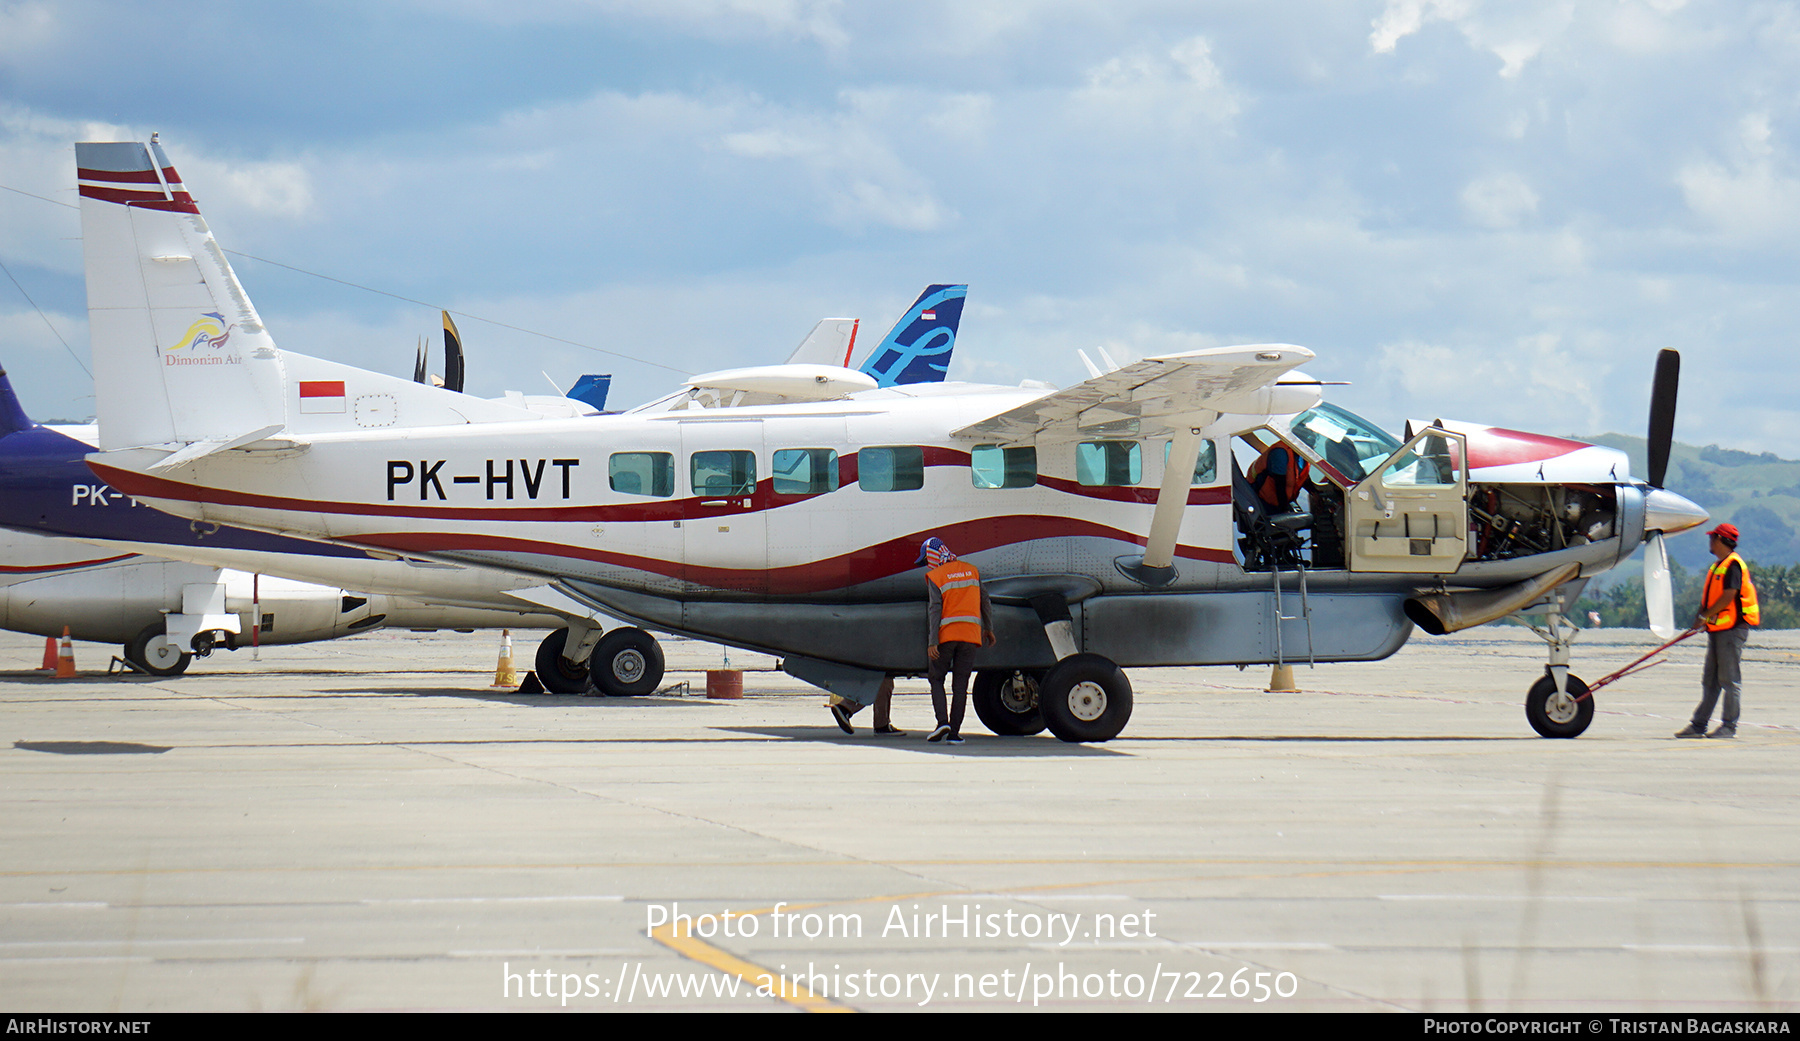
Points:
(868, 564)
(763, 498)
(71, 566)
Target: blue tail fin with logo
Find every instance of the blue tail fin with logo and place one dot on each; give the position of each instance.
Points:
(918, 348)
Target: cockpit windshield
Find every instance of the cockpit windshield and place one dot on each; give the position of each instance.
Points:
(1351, 444)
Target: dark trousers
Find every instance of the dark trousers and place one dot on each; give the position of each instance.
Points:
(956, 658)
(1724, 665)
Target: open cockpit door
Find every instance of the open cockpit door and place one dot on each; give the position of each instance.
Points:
(1412, 513)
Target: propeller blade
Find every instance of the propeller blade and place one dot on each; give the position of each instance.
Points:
(1662, 413)
(453, 356)
(1659, 597)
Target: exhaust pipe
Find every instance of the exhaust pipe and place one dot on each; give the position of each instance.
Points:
(1442, 613)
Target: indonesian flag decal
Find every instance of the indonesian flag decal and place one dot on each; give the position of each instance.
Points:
(929, 316)
(321, 396)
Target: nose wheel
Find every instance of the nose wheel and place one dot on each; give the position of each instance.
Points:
(1559, 715)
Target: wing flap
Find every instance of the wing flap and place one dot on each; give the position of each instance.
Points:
(1155, 396)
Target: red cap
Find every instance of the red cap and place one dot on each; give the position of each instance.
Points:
(1728, 532)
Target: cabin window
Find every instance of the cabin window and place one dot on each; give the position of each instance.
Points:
(991, 466)
(1109, 463)
(1352, 445)
(1427, 464)
(642, 473)
(723, 473)
(1206, 464)
(805, 471)
(898, 468)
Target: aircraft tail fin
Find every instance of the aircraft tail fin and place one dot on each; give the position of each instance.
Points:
(831, 342)
(180, 354)
(12, 414)
(592, 389)
(918, 348)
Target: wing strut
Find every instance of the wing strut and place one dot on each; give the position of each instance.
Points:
(1156, 568)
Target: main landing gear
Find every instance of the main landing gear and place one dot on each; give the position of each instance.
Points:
(626, 663)
(1083, 697)
(150, 651)
(623, 663)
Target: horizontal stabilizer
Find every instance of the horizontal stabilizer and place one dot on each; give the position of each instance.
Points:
(201, 449)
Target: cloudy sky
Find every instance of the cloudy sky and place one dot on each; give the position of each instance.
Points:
(1495, 212)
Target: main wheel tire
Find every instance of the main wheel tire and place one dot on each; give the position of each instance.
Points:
(627, 663)
(558, 674)
(1006, 700)
(151, 652)
(1085, 697)
(1554, 717)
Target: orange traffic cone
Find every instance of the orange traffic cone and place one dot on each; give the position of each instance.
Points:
(49, 654)
(65, 658)
(504, 676)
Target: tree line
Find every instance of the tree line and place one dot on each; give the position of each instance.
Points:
(1621, 606)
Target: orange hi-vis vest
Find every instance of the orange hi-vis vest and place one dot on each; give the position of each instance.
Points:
(1746, 598)
(960, 585)
(1278, 475)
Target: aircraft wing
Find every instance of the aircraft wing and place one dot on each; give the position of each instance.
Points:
(1157, 396)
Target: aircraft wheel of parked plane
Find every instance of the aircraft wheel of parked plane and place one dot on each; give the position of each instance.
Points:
(1553, 716)
(152, 653)
(1007, 701)
(558, 674)
(1085, 697)
(627, 663)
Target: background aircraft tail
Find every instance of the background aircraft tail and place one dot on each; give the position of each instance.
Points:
(180, 354)
(918, 348)
(830, 343)
(12, 414)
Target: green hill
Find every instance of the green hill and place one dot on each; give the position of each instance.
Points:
(1760, 493)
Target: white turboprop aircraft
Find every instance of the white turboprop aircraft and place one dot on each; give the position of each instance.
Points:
(781, 508)
(235, 588)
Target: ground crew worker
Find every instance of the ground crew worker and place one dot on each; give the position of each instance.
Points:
(1729, 610)
(843, 708)
(959, 622)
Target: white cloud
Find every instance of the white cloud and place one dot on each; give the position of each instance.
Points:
(1175, 84)
(1402, 18)
(276, 189)
(1523, 384)
(1747, 202)
(1499, 200)
(852, 158)
(1514, 32)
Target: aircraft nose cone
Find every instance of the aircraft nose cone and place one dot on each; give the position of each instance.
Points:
(1669, 513)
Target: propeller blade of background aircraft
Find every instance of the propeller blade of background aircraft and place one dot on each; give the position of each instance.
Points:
(1662, 413)
(453, 356)
(1659, 597)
